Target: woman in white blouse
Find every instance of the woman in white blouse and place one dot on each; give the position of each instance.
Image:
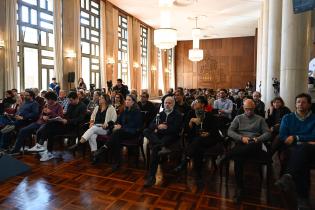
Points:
(101, 116)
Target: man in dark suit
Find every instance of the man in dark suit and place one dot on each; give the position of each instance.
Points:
(163, 132)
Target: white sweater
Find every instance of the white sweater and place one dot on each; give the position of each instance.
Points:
(111, 114)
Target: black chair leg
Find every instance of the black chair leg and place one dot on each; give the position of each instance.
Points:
(143, 155)
(227, 171)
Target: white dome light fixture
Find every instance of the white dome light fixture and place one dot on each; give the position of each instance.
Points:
(165, 37)
(195, 54)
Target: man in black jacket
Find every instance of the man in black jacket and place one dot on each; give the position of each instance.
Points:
(260, 106)
(148, 107)
(121, 88)
(163, 132)
(180, 103)
(202, 129)
(73, 118)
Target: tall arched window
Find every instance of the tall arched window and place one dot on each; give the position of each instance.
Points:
(90, 41)
(144, 56)
(123, 48)
(35, 43)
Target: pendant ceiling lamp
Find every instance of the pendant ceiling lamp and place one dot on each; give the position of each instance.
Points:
(195, 54)
(165, 37)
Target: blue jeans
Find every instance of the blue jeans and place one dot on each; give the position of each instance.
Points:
(24, 133)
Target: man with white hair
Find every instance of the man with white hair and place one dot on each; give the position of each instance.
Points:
(162, 132)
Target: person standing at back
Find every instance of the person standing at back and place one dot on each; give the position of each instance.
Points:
(121, 88)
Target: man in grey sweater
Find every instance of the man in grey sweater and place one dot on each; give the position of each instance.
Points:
(249, 131)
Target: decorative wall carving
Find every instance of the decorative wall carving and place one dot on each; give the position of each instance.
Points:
(227, 63)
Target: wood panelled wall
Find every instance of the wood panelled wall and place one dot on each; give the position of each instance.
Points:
(227, 63)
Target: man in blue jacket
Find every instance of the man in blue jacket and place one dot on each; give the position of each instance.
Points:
(163, 132)
(27, 113)
(297, 131)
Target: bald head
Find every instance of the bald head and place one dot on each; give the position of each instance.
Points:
(249, 104)
(249, 107)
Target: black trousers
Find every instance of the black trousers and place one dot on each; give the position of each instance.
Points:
(51, 130)
(114, 143)
(156, 143)
(242, 152)
(197, 148)
(301, 158)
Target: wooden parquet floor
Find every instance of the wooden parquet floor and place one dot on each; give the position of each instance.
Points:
(70, 183)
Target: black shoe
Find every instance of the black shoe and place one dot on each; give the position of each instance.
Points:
(14, 152)
(149, 182)
(100, 151)
(304, 204)
(238, 196)
(94, 159)
(181, 166)
(285, 183)
(164, 151)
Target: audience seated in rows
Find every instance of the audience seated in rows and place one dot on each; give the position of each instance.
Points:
(73, 118)
(249, 130)
(128, 126)
(51, 110)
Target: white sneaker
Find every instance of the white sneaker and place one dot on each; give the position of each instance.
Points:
(37, 148)
(47, 156)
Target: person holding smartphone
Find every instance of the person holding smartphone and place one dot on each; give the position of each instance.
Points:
(249, 130)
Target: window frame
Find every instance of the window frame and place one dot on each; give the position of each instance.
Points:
(21, 44)
(94, 74)
(144, 56)
(123, 46)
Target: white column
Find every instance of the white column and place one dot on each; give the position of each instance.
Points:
(259, 50)
(295, 48)
(264, 53)
(274, 46)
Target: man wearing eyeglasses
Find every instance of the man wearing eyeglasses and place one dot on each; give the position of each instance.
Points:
(250, 131)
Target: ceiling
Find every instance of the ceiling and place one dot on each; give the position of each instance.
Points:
(223, 18)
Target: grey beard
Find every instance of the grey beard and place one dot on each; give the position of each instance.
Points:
(168, 111)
